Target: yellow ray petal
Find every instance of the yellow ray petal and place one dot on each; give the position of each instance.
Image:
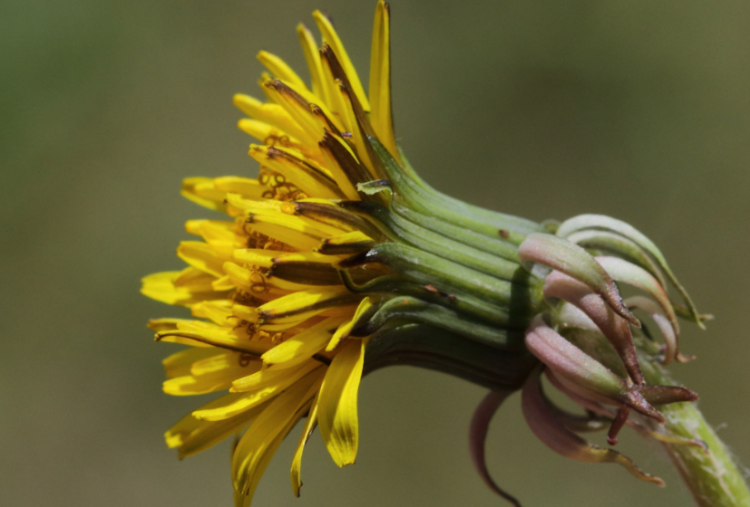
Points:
(270, 258)
(293, 286)
(261, 283)
(255, 257)
(167, 324)
(293, 274)
(347, 243)
(305, 304)
(202, 191)
(222, 284)
(269, 384)
(179, 364)
(292, 233)
(296, 472)
(303, 97)
(194, 280)
(161, 287)
(327, 212)
(298, 232)
(302, 346)
(211, 229)
(339, 114)
(180, 340)
(281, 70)
(359, 123)
(201, 256)
(295, 105)
(272, 376)
(337, 414)
(332, 39)
(273, 114)
(354, 130)
(219, 364)
(188, 385)
(215, 338)
(260, 130)
(251, 280)
(246, 187)
(312, 57)
(305, 174)
(219, 311)
(338, 153)
(342, 333)
(259, 443)
(211, 374)
(191, 436)
(381, 115)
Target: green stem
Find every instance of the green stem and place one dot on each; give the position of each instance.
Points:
(469, 209)
(390, 285)
(511, 228)
(468, 237)
(398, 228)
(436, 349)
(403, 310)
(425, 268)
(712, 477)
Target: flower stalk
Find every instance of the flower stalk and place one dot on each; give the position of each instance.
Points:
(339, 260)
(712, 476)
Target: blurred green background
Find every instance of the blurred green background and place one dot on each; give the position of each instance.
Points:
(639, 110)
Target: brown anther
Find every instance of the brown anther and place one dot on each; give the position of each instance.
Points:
(505, 234)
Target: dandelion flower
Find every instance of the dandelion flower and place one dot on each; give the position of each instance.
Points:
(325, 266)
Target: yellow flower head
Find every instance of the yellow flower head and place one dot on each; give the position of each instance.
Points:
(275, 315)
(338, 243)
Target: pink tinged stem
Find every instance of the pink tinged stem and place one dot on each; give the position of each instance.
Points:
(583, 401)
(581, 372)
(601, 222)
(602, 411)
(480, 424)
(571, 259)
(664, 395)
(614, 327)
(625, 272)
(625, 248)
(662, 322)
(554, 434)
(671, 339)
(589, 422)
(569, 362)
(571, 316)
(620, 420)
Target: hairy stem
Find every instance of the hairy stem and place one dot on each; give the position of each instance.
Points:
(712, 477)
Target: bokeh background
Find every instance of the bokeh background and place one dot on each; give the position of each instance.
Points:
(638, 110)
